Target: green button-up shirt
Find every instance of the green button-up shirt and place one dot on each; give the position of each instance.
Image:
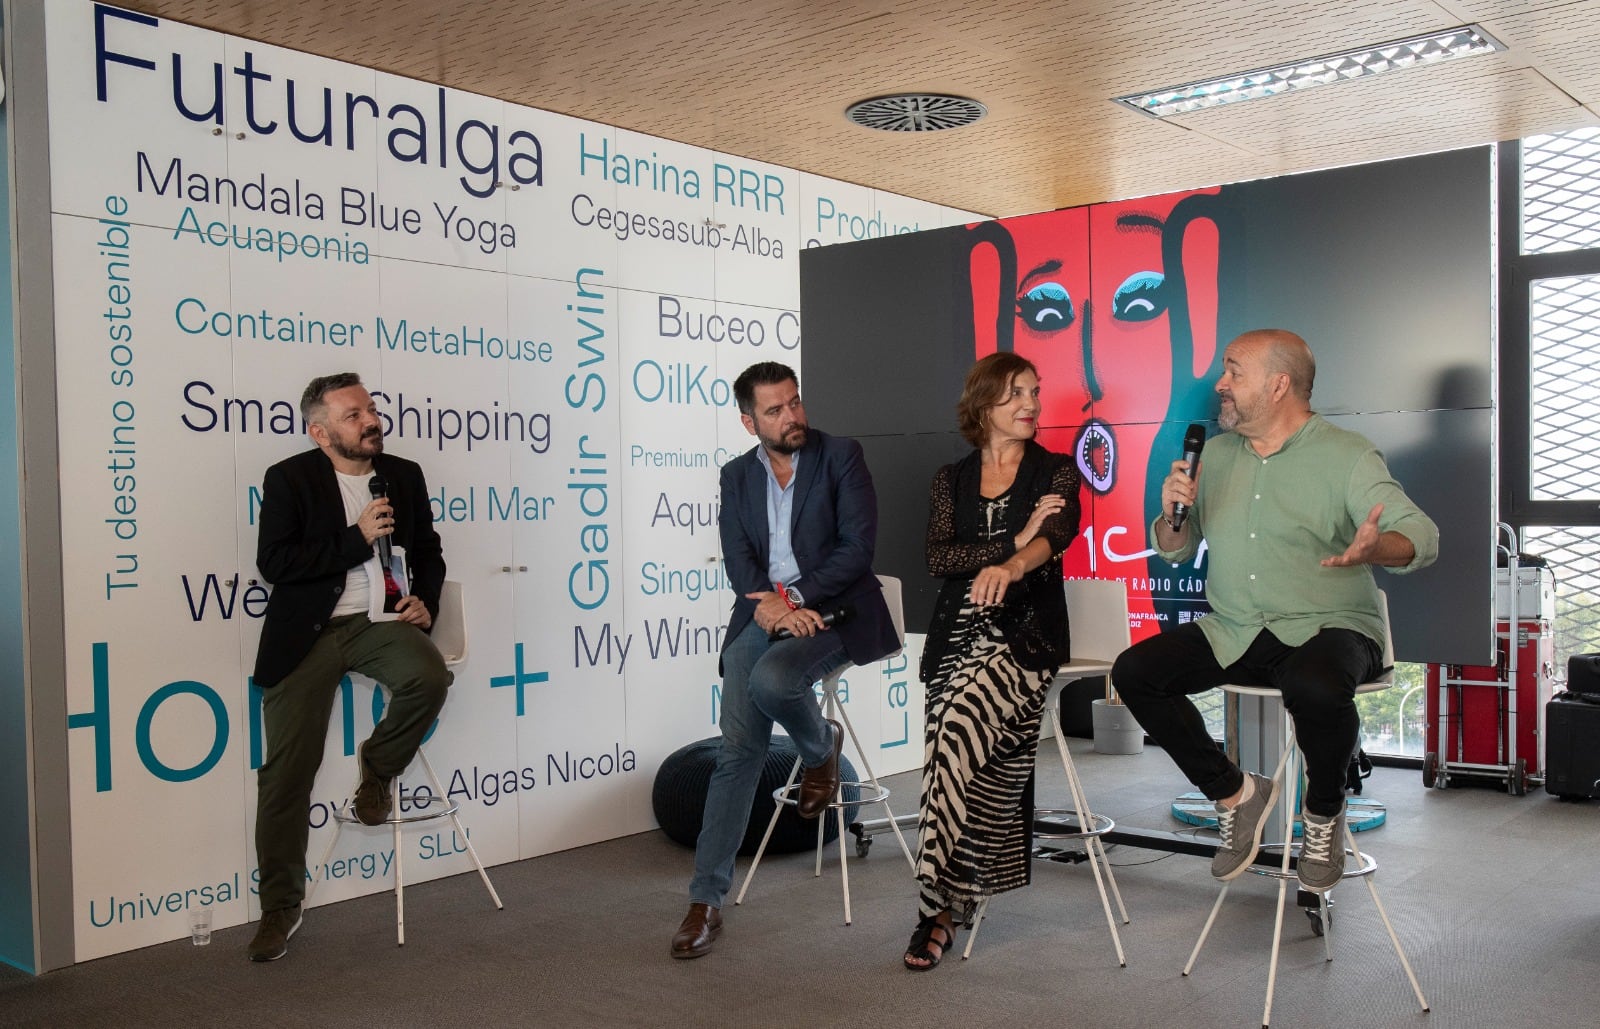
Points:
(1267, 522)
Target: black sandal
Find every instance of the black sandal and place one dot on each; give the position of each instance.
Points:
(918, 949)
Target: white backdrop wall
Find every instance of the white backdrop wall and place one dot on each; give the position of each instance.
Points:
(550, 313)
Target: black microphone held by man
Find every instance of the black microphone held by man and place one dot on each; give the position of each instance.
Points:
(392, 591)
(1193, 442)
(380, 491)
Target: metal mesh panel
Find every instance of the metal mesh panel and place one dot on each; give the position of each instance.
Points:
(1574, 556)
(1561, 211)
(1565, 388)
(1561, 192)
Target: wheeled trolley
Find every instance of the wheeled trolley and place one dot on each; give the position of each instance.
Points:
(1484, 721)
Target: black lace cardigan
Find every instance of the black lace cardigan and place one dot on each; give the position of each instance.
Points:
(1033, 618)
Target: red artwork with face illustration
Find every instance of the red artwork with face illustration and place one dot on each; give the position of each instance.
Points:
(1116, 305)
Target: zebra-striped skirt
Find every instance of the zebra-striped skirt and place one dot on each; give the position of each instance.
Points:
(979, 746)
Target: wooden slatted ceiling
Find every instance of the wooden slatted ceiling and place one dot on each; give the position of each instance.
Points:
(770, 79)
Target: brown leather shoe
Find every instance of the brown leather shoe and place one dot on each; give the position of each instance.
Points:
(697, 932)
(818, 785)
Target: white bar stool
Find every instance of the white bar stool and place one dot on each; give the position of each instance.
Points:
(1290, 769)
(450, 636)
(869, 790)
(1097, 616)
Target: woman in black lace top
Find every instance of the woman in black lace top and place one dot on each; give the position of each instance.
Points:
(998, 521)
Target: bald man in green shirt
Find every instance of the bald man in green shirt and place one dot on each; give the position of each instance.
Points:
(1294, 512)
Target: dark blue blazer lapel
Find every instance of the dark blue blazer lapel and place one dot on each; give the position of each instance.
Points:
(810, 467)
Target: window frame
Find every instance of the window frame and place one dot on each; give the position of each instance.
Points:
(1518, 273)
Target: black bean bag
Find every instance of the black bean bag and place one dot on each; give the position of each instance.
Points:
(679, 798)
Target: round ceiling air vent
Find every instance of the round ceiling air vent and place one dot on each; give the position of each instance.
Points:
(915, 112)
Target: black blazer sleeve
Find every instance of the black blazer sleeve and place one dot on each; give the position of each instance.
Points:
(292, 545)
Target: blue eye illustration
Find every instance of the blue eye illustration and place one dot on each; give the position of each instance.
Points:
(1046, 307)
(1141, 297)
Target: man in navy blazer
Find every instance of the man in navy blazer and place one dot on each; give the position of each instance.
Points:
(799, 522)
(320, 518)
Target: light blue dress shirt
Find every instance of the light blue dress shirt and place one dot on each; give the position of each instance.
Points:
(781, 565)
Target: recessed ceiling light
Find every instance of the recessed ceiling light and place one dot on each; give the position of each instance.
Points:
(915, 112)
(1464, 41)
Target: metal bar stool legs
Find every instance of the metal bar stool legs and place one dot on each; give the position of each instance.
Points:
(1372, 888)
(870, 789)
(1091, 829)
(1288, 772)
(424, 809)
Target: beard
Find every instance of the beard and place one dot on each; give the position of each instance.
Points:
(367, 446)
(1240, 410)
(790, 442)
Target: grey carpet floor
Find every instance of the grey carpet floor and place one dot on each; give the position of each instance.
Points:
(1493, 896)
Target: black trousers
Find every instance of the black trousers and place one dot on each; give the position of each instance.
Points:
(1318, 679)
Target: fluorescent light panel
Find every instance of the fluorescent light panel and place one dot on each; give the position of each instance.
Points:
(1464, 41)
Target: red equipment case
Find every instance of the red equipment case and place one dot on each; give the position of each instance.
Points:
(1480, 722)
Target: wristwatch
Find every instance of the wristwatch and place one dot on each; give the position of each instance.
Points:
(792, 597)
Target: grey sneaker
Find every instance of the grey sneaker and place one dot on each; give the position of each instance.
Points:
(273, 932)
(1321, 861)
(1241, 829)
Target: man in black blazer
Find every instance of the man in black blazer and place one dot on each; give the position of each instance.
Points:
(799, 522)
(319, 522)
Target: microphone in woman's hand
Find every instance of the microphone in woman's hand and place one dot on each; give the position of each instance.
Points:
(830, 617)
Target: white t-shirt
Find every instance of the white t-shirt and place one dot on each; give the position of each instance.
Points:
(356, 494)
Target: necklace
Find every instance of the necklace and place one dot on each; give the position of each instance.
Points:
(993, 509)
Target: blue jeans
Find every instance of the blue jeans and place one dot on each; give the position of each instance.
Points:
(762, 683)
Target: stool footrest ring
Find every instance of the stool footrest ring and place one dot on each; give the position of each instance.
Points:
(1099, 825)
(867, 794)
(1368, 865)
(425, 809)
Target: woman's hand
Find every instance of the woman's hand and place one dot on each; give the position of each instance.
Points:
(1049, 504)
(990, 584)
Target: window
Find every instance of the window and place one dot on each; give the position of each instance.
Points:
(1574, 554)
(1560, 197)
(1550, 369)
(1564, 387)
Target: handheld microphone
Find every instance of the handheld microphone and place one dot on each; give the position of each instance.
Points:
(830, 617)
(1193, 441)
(380, 488)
